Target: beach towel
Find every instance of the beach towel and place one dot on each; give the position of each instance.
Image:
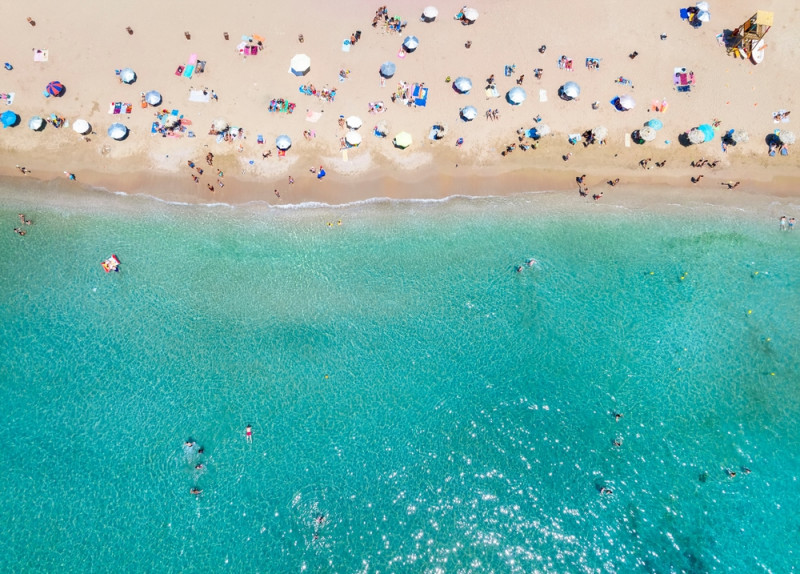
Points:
(542, 95)
(346, 46)
(192, 60)
(627, 140)
(344, 155)
(40, 55)
(199, 96)
(187, 73)
(114, 107)
(9, 97)
(179, 71)
(313, 117)
(420, 96)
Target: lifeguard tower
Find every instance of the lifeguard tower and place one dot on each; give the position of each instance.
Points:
(747, 41)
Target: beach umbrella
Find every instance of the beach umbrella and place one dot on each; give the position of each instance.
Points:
(81, 126)
(152, 97)
(470, 14)
(786, 137)
(128, 76)
(36, 123)
(353, 138)
(410, 43)
(708, 132)
(402, 140)
(696, 136)
(462, 85)
(600, 133)
(516, 96)
(117, 131)
(441, 131)
(570, 91)
(55, 88)
(388, 69)
(702, 6)
(647, 133)
(429, 14)
(219, 125)
(703, 16)
(170, 121)
(300, 65)
(740, 136)
(655, 124)
(8, 118)
(283, 142)
(543, 129)
(382, 128)
(627, 102)
(353, 122)
(469, 113)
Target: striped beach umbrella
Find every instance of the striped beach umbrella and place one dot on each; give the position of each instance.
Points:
(152, 97)
(55, 88)
(410, 43)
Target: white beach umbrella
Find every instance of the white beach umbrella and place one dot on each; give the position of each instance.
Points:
(600, 133)
(786, 137)
(410, 43)
(462, 85)
(35, 123)
(702, 6)
(429, 14)
(647, 133)
(740, 136)
(152, 97)
(353, 138)
(696, 136)
(353, 122)
(283, 142)
(627, 102)
(219, 125)
(300, 65)
(470, 14)
(571, 90)
(469, 113)
(117, 131)
(543, 129)
(128, 76)
(403, 140)
(703, 16)
(516, 95)
(81, 126)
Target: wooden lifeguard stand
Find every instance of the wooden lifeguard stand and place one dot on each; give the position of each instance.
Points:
(746, 38)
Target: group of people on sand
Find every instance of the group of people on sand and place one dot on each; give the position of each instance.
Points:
(24, 221)
(200, 171)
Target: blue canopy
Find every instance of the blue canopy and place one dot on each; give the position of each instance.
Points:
(655, 124)
(8, 118)
(388, 69)
(708, 131)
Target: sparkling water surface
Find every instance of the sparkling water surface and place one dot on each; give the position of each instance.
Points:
(417, 404)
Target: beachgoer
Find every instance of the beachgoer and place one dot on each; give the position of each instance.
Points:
(605, 491)
(188, 444)
(783, 223)
(697, 179)
(19, 231)
(633, 55)
(542, 49)
(248, 432)
(566, 157)
(196, 491)
(791, 221)
(210, 187)
(617, 441)
(617, 416)
(581, 178)
(191, 164)
(278, 195)
(468, 44)
(730, 473)
(520, 80)
(597, 196)
(199, 466)
(613, 182)
(490, 80)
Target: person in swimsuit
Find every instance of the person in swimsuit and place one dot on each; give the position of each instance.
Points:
(248, 433)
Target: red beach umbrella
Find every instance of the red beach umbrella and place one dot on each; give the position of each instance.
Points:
(55, 88)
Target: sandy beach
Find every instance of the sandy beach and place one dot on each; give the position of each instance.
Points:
(85, 48)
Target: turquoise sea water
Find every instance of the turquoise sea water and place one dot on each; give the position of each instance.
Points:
(441, 411)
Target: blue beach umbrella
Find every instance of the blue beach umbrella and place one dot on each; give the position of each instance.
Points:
(655, 124)
(55, 88)
(410, 43)
(469, 113)
(128, 76)
(283, 142)
(8, 118)
(516, 96)
(462, 85)
(570, 91)
(117, 131)
(152, 97)
(388, 69)
(708, 132)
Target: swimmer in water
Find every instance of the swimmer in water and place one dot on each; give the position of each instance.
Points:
(199, 467)
(188, 444)
(604, 490)
(730, 473)
(519, 268)
(617, 416)
(618, 441)
(248, 433)
(196, 491)
(531, 262)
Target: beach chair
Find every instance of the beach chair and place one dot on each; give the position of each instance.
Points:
(128, 108)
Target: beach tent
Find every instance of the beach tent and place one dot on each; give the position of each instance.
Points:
(388, 69)
(569, 91)
(300, 65)
(8, 118)
(410, 43)
(128, 76)
(470, 14)
(81, 126)
(647, 134)
(429, 14)
(655, 124)
(117, 131)
(402, 140)
(469, 113)
(516, 96)
(283, 142)
(219, 125)
(353, 138)
(462, 85)
(786, 137)
(353, 122)
(55, 88)
(36, 123)
(152, 97)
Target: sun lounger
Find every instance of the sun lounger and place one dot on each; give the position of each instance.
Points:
(346, 46)
(542, 95)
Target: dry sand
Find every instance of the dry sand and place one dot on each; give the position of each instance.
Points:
(89, 42)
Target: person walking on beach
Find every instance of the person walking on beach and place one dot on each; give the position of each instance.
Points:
(248, 433)
(783, 223)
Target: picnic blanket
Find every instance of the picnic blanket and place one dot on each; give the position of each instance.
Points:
(40, 55)
(199, 96)
(120, 108)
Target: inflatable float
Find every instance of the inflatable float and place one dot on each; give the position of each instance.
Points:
(111, 264)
